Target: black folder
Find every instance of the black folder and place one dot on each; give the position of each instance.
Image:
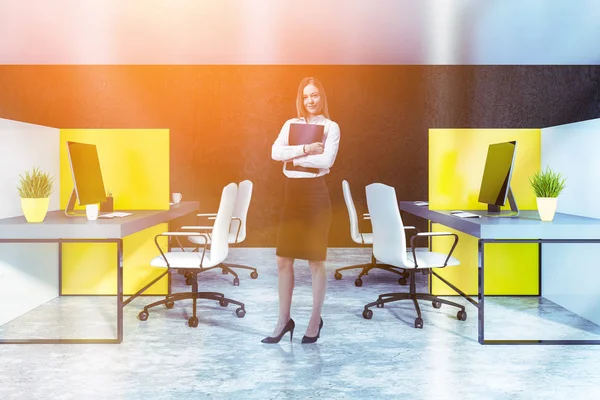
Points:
(304, 134)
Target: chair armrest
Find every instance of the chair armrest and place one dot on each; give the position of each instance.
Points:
(177, 234)
(206, 215)
(197, 227)
(429, 234)
(182, 234)
(239, 227)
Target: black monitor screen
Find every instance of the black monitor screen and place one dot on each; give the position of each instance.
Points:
(497, 173)
(87, 176)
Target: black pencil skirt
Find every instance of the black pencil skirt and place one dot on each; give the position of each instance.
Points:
(305, 219)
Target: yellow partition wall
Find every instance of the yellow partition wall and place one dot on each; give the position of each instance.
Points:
(135, 169)
(456, 163)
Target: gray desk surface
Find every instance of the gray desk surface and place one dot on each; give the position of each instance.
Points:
(58, 225)
(526, 226)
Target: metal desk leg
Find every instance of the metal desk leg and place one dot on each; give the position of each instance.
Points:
(120, 291)
(480, 292)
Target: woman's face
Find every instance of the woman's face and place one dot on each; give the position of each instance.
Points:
(312, 100)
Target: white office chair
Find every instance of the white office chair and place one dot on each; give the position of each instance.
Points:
(389, 246)
(196, 262)
(364, 239)
(237, 231)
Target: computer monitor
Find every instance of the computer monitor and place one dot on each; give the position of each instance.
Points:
(495, 184)
(87, 176)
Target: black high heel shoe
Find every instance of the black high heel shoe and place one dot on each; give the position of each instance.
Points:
(289, 327)
(312, 339)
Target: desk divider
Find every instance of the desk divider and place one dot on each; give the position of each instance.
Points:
(135, 168)
(571, 272)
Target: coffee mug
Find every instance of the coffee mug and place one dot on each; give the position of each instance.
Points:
(177, 197)
(91, 210)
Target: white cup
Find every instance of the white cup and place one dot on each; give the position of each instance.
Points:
(91, 210)
(177, 197)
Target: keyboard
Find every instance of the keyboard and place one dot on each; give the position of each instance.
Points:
(464, 214)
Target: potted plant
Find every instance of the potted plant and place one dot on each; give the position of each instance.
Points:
(35, 189)
(547, 186)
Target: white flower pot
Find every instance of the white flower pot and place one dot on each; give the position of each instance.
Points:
(547, 207)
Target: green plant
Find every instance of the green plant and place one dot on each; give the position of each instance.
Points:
(35, 184)
(547, 183)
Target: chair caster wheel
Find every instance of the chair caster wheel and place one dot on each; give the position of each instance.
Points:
(193, 322)
(254, 275)
(143, 316)
(436, 304)
(223, 303)
(358, 282)
(224, 271)
(188, 280)
(169, 304)
(402, 281)
(236, 281)
(240, 312)
(367, 314)
(337, 276)
(461, 315)
(419, 323)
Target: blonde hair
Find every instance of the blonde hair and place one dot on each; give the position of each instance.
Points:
(300, 98)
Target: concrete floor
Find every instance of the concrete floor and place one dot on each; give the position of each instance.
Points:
(355, 358)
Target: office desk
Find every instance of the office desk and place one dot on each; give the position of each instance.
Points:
(527, 228)
(58, 228)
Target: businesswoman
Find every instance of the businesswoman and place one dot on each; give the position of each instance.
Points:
(306, 213)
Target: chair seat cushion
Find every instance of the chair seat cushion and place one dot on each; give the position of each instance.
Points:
(430, 259)
(180, 259)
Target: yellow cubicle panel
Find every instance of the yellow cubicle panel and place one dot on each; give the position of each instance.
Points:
(90, 268)
(134, 163)
(509, 269)
(135, 169)
(456, 162)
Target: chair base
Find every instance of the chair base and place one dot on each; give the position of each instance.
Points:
(226, 269)
(373, 265)
(194, 295)
(412, 295)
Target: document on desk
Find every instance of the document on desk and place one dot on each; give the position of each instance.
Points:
(116, 214)
(464, 214)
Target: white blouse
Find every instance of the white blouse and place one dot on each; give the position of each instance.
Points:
(281, 151)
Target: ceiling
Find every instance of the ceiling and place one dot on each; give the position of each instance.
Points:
(299, 32)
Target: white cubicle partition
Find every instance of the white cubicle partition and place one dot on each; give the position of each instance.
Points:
(571, 272)
(28, 273)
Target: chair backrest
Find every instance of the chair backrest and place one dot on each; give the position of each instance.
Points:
(219, 243)
(354, 231)
(389, 240)
(242, 203)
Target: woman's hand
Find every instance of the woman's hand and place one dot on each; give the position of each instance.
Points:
(314, 148)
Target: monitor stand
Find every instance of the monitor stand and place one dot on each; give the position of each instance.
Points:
(494, 210)
(70, 209)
